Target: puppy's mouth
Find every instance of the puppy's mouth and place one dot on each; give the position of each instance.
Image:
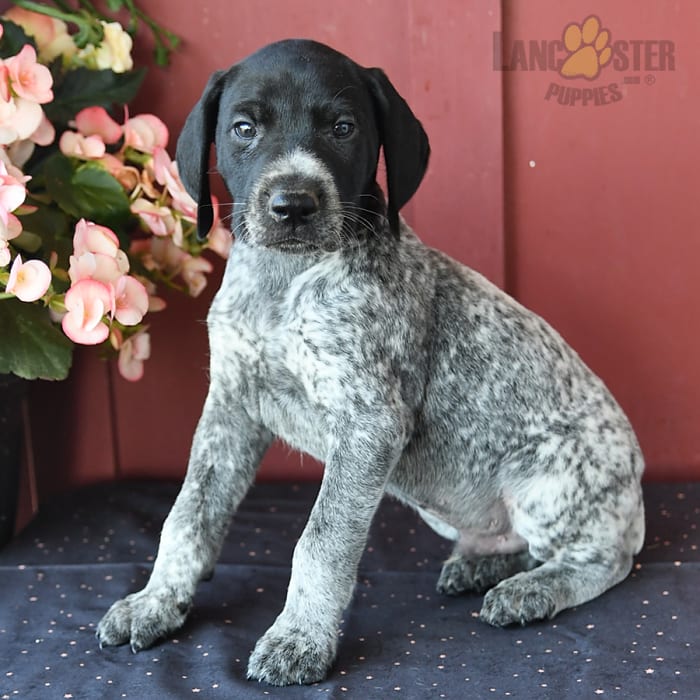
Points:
(293, 245)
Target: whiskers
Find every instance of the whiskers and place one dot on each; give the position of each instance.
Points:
(357, 222)
(234, 208)
(346, 223)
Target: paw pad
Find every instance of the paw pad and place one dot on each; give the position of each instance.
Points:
(588, 48)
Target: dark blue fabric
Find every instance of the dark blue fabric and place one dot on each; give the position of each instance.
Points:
(399, 638)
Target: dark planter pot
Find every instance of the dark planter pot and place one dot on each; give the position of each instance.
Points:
(12, 391)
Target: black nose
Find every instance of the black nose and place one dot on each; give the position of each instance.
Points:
(293, 207)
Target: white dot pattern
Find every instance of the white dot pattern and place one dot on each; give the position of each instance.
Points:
(398, 638)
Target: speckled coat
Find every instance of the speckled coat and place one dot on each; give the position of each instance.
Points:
(407, 373)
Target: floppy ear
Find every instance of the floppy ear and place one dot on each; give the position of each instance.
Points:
(192, 154)
(405, 143)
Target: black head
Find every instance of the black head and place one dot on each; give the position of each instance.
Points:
(298, 128)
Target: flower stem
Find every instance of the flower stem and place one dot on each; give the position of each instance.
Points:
(166, 41)
(64, 14)
(87, 5)
(63, 5)
(89, 28)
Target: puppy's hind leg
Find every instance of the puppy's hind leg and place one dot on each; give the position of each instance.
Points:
(555, 585)
(582, 514)
(477, 573)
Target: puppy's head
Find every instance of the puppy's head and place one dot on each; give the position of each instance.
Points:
(298, 128)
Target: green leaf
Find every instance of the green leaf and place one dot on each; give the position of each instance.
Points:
(161, 54)
(13, 39)
(55, 230)
(81, 87)
(87, 191)
(100, 196)
(115, 5)
(28, 241)
(32, 347)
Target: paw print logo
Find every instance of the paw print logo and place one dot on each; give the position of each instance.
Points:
(588, 49)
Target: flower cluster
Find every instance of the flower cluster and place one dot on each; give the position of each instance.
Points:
(93, 214)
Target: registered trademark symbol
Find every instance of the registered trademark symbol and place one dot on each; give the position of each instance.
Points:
(650, 79)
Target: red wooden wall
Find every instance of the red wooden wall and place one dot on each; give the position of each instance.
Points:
(604, 231)
(586, 214)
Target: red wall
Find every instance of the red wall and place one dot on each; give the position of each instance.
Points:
(604, 232)
(599, 236)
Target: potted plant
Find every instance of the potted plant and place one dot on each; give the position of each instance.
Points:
(94, 219)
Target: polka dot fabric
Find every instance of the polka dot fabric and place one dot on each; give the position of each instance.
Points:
(398, 638)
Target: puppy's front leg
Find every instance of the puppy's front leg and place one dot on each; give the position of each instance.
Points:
(226, 450)
(301, 645)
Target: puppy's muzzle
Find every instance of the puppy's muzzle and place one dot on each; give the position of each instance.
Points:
(295, 206)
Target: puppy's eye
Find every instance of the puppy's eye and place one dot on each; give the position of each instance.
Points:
(341, 130)
(245, 130)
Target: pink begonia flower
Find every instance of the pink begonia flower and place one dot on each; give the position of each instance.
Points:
(116, 338)
(220, 240)
(30, 79)
(51, 35)
(131, 301)
(155, 303)
(5, 255)
(7, 232)
(15, 155)
(44, 134)
(94, 121)
(11, 229)
(79, 146)
(163, 255)
(28, 281)
(192, 272)
(93, 238)
(19, 119)
(145, 133)
(12, 193)
(159, 254)
(5, 90)
(96, 254)
(166, 174)
(162, 165)
(148, 181)
(159, 220)
(132, 354)
(95, 266)
(87, 303)
(127, 175)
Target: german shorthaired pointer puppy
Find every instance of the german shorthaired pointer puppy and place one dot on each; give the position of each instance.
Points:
(407, 373)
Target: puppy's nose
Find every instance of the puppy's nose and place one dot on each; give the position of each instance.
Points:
(293, 207)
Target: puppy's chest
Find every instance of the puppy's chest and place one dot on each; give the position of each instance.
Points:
(290, 364)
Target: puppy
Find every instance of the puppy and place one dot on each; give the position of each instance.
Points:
(407, 373)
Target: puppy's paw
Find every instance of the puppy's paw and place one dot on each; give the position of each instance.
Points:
(479, 573)
(456, 577)
(289, 654)
(141, 619)
(517, 600)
